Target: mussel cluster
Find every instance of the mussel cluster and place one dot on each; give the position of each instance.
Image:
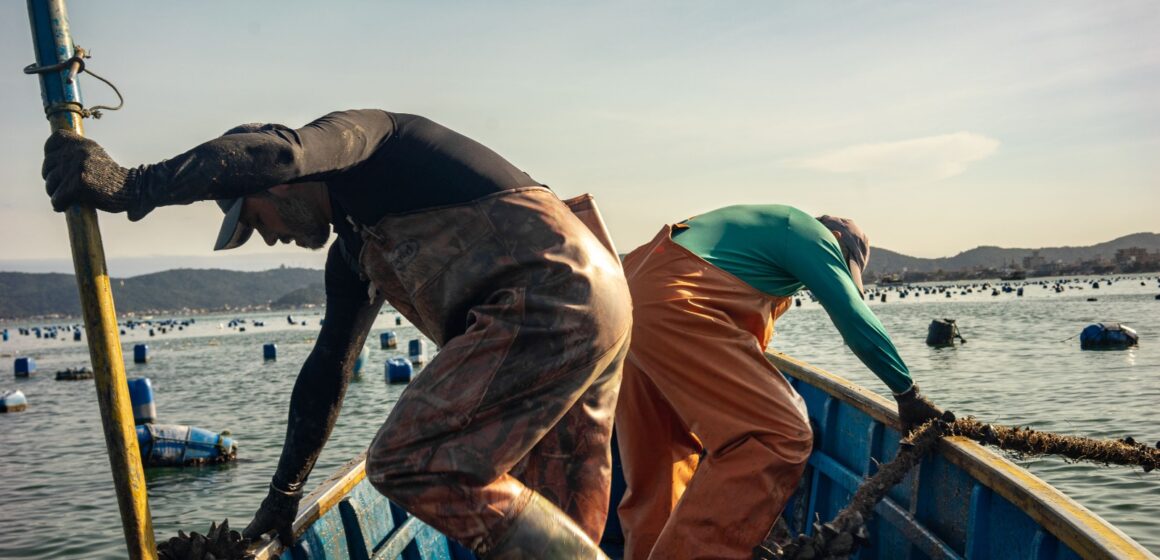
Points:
(219, 544)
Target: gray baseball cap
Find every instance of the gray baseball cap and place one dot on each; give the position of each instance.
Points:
(854, 244)
(233, 232)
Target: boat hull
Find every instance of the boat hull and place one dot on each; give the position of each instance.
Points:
(962, 502)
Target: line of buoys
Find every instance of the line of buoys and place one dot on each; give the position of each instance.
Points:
(399, 370)
(388, 340)
(270, 351)
(13, 401)
(24, 366)
(172, 445)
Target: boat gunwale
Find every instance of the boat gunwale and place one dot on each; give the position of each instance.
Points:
(1074, 525)
(318, 503)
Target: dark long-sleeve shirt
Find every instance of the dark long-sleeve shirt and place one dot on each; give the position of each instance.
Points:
(374, 163)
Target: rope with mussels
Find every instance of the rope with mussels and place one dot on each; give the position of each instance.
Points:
(842, 536)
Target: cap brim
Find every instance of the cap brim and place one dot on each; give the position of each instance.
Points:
(233, 233)
(856, 275)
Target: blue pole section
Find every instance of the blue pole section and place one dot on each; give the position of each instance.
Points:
(61, 94)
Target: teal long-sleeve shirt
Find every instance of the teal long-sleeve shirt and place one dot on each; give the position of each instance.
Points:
(779, 250)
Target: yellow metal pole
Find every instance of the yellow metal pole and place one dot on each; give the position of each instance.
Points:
(61, 97)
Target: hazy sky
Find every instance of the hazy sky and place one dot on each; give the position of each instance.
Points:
(938, 126)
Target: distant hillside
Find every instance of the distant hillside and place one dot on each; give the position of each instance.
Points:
(25, 295)
(885, 261)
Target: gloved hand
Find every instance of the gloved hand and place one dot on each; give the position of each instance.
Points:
(276, 514)
(77, 170)
(915, 409)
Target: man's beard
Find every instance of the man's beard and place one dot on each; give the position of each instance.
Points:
(310, 229)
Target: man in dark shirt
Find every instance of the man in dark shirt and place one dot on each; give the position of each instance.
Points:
(502, 442)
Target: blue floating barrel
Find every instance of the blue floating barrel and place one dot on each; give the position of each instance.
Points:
(361, 360)
(77, 334)
(1107, 336)
(270, 351)
(25, 366)
(398, 321)
(140, 353)
(12, 401)
(172, 445)
(4, 335)
(388, 340)
(399, 370)
(141, 396)
(417, 351)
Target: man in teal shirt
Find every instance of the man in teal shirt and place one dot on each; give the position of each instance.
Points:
(712, 437)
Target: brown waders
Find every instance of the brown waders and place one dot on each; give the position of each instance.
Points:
(502, 441)
(712, 438)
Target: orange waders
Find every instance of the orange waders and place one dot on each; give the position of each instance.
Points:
(532, 317)
(713, 439)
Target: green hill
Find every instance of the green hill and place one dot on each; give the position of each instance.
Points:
(26, 295)
(885, 261)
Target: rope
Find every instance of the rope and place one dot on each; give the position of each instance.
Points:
(95, 110)
(842, 536)
(1027, 441)
(75, 66)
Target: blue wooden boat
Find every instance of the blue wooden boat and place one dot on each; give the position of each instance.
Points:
(965, 502)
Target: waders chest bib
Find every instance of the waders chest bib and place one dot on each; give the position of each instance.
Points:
(531, 314)
(712, 437)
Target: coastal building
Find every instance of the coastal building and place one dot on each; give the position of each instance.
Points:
(1133, 255)
(1034, 262)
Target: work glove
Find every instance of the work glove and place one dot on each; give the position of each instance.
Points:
(275, 514)
(78, 171)
(916, 410)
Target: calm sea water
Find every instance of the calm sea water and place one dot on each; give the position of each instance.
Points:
(1021, 365)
